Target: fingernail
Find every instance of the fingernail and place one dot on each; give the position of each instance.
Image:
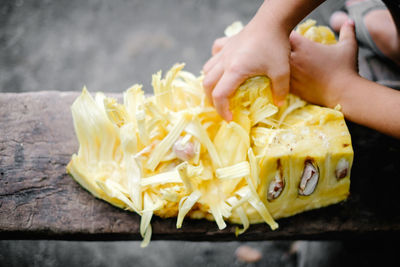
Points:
(350, 22)
(279, 103)
(228, 116)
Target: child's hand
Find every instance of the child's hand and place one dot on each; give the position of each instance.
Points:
(320, 73)
(256, 50)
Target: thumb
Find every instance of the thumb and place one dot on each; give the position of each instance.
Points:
(347, 33)
(295, 40)
(280, 86)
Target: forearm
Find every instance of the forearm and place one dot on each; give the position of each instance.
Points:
(287, 14)
(372, 105)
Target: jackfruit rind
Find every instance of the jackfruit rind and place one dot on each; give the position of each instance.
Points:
(172, 155)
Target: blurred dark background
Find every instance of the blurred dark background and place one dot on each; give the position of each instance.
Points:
(108, 46)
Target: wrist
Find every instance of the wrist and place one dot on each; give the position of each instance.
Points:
(273, 14)
(271, 17)
(344, 87)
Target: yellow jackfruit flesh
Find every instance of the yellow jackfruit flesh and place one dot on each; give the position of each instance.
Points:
(172, 155)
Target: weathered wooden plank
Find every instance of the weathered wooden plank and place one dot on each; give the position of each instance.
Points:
(39, 200)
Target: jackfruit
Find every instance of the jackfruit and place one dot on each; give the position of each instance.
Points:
(172, 155)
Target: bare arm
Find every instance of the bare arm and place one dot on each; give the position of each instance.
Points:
(287, 14)
(327, 75)
(372, 105)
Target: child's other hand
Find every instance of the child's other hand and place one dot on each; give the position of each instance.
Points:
(320, 73)
(256, 50)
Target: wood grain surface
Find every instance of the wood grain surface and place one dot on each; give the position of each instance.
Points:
(38, 200)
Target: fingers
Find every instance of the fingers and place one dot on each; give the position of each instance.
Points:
(280, 85)
(211, 79)
(218, 45)
(224, 90)
(295, 39)
(294, 86)
(347, 39)
(347, 33)
(210, 63)
(299, 42)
